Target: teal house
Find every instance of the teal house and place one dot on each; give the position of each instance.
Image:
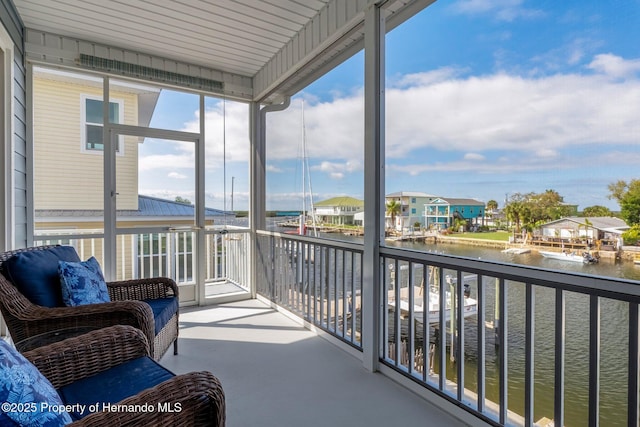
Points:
(441, 212)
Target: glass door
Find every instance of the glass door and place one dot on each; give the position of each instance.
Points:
(155, 215)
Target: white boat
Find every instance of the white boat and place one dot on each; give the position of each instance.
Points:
(585, 258)
(470, 305)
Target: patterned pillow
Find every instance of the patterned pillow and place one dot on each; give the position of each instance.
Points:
(27, 397)
(82, 283)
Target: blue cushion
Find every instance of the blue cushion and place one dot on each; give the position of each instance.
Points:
(30, 396)
(82, 283)
(35, 274)
(115, 384)
(163, 310)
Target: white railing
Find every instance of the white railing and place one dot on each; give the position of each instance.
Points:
(318, 280)
(168, 253)
(519, 344)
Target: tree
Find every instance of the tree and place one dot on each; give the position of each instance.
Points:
(182, 200)
(587, 226)
(516, 209)
(547, 206)
(532, 209)
(628, 197)
(596, 210)
(492, 205)
(459, 223)
(394, 207)
(632, 235)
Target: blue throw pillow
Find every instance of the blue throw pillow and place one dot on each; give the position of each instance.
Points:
(35, 273)
(82, 283)
(27, 397)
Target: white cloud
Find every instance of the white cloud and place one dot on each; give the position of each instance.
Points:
(513, 113)
(332, 130)
(531, 119)
(474, 157)
(615, 66)
(176, 175)
(166, 161)
(274, 169)
(226, 132)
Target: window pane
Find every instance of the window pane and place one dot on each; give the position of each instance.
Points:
(94, 137)
(94, 111)
(114, 114)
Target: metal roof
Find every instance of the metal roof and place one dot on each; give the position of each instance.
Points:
(149, 208)
(409, 194)
(606, 223)
(261, 50)
(340, 201)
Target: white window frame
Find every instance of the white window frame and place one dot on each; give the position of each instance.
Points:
(83, 124)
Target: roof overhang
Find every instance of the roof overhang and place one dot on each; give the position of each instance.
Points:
(256, 51)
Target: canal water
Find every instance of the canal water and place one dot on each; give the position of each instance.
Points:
(614, 340)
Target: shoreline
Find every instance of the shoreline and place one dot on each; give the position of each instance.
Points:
(626, 253)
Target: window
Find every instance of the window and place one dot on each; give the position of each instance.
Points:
(92, 123)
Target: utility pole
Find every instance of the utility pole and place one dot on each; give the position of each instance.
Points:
(232, 179)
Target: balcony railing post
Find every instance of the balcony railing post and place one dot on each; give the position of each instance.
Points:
(594, 360)
(634, 364)
(529, 355)
(558, 411)
(502, 339)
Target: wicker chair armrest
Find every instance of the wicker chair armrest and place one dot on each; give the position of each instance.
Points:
(40, 319)
(193, 399)
(72, 359)
(140, 289)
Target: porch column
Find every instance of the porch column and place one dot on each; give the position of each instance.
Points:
(257, 170)
(109, 208)
(200, 243)
(374, 27)
(256, 187)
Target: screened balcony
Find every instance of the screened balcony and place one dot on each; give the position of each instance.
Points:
(302, 329)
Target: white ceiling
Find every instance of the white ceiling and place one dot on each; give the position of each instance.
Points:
(236, 36)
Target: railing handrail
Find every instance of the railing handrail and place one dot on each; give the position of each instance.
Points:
(327, 242)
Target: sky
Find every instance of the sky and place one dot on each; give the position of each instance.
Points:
(484, 99)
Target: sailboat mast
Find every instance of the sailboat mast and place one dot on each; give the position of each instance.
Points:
(304, 164)
(303, 219)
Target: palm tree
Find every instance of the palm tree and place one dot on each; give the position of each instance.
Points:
(587, 226)
(394, 207)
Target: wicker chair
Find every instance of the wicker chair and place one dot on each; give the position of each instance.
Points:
(25, 319)
(198, 395)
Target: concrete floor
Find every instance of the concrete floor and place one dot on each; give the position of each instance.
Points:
(277, 373)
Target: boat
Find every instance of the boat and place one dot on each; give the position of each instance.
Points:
(585, 258)
(470, 307)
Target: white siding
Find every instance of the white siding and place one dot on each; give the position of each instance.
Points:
(18, 177)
